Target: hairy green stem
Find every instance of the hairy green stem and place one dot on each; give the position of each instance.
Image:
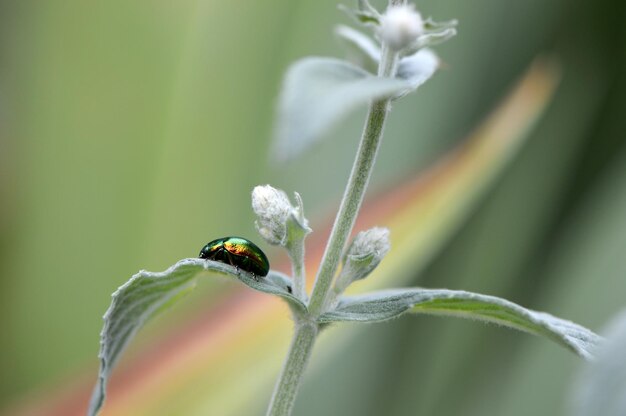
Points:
(350, 204)
(355, 190)
(299, 352)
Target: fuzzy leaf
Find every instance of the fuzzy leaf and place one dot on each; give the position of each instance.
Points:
(148, 293)
(601, 387)
(362, 50)
(384, 305)
(317, 94)
(366, 7)
(418, 68)
(431, 25)
(365, 13)
(429, 39)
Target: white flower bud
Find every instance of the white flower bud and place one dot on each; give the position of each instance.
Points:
(400, 26)
(373, 242)
(273, 210)
(365, 253)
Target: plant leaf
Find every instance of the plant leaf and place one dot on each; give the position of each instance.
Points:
(365, 13)
(429, 39)
(147, 293)
(366, 7)
(430, 24)
(317, 94)
(418, 68)
(384, 305)
(601, 387)
(362, 50)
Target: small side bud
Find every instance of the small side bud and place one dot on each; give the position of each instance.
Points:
(364, 254)
(400, 26)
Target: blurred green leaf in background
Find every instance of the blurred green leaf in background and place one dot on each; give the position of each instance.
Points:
(132, 132)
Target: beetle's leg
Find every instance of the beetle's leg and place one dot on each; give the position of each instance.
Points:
(230, 260)
(246, 263)
(214, 255)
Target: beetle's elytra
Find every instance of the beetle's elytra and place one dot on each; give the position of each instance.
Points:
(239, 252)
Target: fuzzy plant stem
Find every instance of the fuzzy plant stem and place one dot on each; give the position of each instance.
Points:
(287, 386)
(307, 329)
(355, 190)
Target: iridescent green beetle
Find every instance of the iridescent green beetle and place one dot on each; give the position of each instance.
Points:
(238, 252)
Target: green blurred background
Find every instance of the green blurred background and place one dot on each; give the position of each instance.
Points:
(132, 132)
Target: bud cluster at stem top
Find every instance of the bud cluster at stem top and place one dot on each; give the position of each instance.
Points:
(400, 26)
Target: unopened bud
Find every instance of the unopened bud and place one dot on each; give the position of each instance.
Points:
(365, 253)
(272, 208)
(278, 222)
(400, 26)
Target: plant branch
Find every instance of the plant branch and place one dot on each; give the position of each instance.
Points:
(355, 190)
